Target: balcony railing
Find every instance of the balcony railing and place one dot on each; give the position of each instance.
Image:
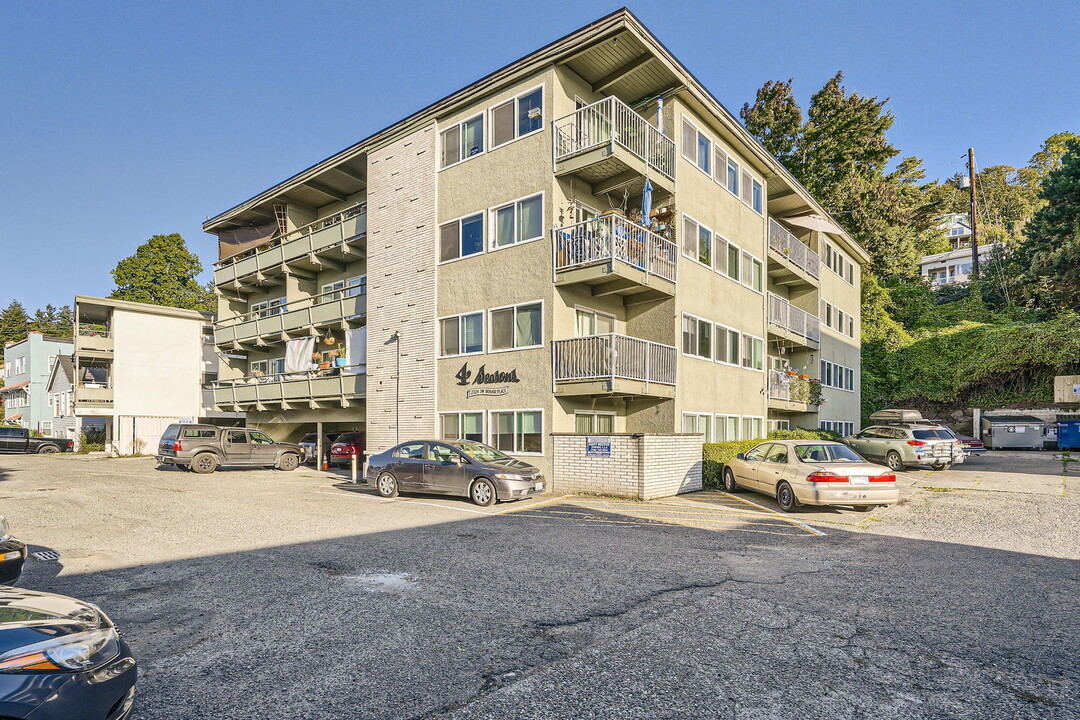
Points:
(92, 340)
(312, 238)
(614, 238)
(791, 388)
(789, 317)
(322, 309)
(88, 396)
(613, 357)
(799, 253)
(612, 121)
(335, 383)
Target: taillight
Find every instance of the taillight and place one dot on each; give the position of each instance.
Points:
(887, 477)
(177, 446)
(916, 443)
(825, 477)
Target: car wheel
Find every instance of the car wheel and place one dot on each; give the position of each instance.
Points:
(943, 466)
(48, 449)
(864, 508)
(288, 461)
(204, 463)
(387, 485)
(482, 492)
(785, 498)
(894, 461)
(729, 481)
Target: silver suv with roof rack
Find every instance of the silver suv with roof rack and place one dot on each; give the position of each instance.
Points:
(902, 438)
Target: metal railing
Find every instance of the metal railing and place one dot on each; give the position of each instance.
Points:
(794, 249)
(612, 121)
(613, 356)
(311, 238)
(345, 381)
(321, 309)
(614, 238)
(788, 387)
(789, 317)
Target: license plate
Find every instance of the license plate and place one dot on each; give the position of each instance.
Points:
(538, 486)
(860, 480)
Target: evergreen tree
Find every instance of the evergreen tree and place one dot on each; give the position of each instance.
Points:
(14, 322)
(53, 321)
(163, 272)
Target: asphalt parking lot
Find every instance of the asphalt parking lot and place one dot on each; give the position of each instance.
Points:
(256, 594)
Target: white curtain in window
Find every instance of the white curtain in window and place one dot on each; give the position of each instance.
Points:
(527, 326)
(504, 226)
(531, 219)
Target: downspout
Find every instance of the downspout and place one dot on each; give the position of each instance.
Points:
(660, 114)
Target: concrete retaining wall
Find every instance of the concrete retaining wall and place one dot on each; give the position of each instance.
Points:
(641, 466)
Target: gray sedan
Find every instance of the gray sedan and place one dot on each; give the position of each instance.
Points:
(453, 467)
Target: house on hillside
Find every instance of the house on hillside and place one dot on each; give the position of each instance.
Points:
(954, 265)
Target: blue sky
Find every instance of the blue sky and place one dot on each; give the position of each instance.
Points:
(124, 119)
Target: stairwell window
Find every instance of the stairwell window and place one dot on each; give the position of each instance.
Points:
(518, 222)
(461, 238)
(517, 118)
(461, 334)
(463, 141)
(517, 327)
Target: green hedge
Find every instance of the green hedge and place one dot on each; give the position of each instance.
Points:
(714, 456)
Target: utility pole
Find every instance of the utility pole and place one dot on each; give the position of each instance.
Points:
(973, 221)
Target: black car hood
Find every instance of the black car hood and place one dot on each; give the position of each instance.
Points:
(27, 617)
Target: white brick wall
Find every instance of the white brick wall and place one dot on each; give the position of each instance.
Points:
(401, 289)
(640, 466)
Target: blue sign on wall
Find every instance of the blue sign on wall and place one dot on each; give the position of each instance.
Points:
(598, 446)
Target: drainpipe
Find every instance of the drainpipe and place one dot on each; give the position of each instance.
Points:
(660, 113)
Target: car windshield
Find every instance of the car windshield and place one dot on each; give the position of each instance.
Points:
(827, 453)
(479, 451)
(309, 438)
(349, 437)
(932, 434)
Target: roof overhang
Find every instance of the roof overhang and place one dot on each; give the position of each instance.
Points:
(95, 309)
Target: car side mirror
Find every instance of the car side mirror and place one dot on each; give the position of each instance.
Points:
(740, 456)
(459, 460)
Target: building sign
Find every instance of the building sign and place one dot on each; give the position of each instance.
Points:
(482, 376)
(598, 446)
(1076, 389)
(471, 392)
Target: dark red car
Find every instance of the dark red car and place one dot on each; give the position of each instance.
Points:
(345, 447)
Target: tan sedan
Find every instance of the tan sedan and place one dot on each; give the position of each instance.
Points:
(811, 472)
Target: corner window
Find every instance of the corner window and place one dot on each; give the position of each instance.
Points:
(518, 117)
(462, 141)
(517, 431)
(462, 334)
(518, 222)
(461, 238)
(516, 327)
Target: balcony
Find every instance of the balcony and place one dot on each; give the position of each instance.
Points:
(793, 325)
(324, 244)
(89, 398)
(610, 146)
(93, 341)
(318, 388)
(791, 261)
(262, 327)
(615, 256)
(613, 365)
(791, 393)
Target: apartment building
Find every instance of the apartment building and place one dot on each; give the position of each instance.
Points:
(135, 369)
(583, 241)
(27, 364)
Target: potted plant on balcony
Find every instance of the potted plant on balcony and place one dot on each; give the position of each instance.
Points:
(816, 395)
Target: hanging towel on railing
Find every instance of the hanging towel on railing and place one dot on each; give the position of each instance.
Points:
(356, 349)
(298, 355)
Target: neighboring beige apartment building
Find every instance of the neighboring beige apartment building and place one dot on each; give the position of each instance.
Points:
(486, 262)
(137, 368)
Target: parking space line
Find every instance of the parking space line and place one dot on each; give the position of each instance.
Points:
(803, 525)
(530, 505)
(402, 500)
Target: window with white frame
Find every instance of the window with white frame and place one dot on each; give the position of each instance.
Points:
(837, 376)
(779, 425)
(719, 165)
(746, 189)
(733, 254)
(518, 431)
(268, 367)
(592, 322)
(517, 118)
(733, 177)
(589, 422)
(758, 198)
(839, 264)
(461, 238)
(726, 428)
(841, 427)
(697, 337)
(462, 141)
(696, 146)
(698, 423)
(697, 241)
(461, 334)
(726, 343)
(46, 427)
(752, 428)
(349, 287)
(753, 352)
(267, 308)
(518, 222)
(462, 426)
(517, 326)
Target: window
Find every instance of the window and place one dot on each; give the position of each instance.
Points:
(270, 367)
(594, 423)
(747, 270)
(722, 345)
(697, 241)
(462, 141)
(259, 438)
(733, 253)
(590, 322)
(696, 147)
(850, 326)
(517, 327)
(758, 200)
(697, 337)
(462, 426)
(757, 278)
(461, 238)
(841, 427)
(518, 117)
(779, 425)
(704, 245)
(518, 222)
(698, 423)
(266, 308)
(733, 177)
(237, 437)
(745, 190)
(518, 431)
(719, 165)
(752, 428)
(462, 334)
(704, 153)
(839, 264)
(412, 451)
(837, 376)
(727, 428)
(753, 352)
(208, 379)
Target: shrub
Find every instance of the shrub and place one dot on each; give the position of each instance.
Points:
(714, 456)
(92, 440)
